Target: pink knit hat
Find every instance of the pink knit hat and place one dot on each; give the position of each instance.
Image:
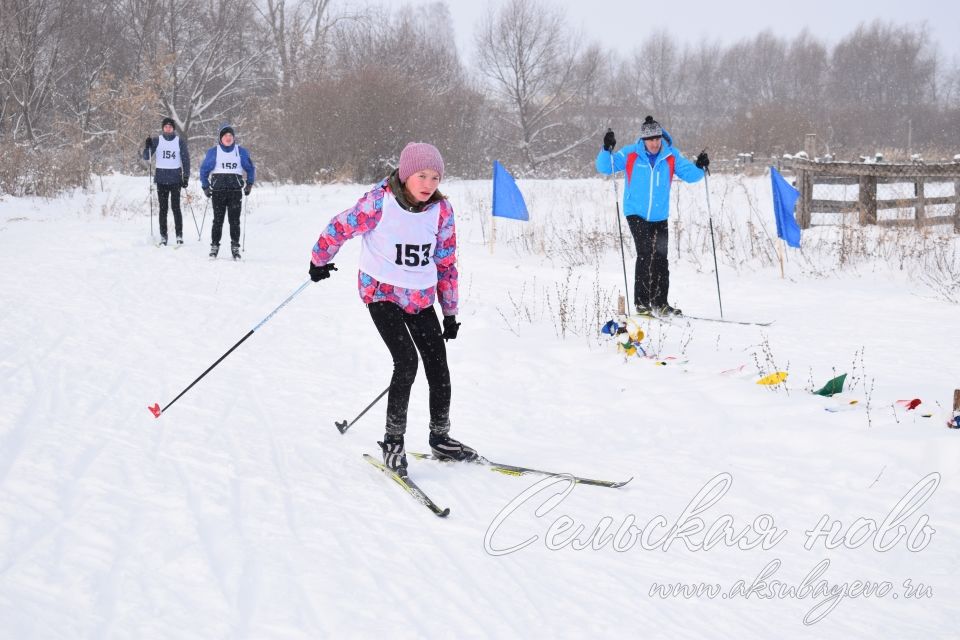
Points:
(417, 156)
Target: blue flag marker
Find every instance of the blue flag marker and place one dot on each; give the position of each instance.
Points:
(784, 202)
(507, 199)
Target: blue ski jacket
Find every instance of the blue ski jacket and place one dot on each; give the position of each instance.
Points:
(225, 181)
(646, 189)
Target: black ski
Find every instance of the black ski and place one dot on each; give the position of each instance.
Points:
(512, 470)
(409, 486)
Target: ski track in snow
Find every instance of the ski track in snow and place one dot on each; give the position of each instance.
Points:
(243, 513)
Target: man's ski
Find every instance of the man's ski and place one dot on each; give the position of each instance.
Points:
(409, 486)
(512, 470)
(684, 316)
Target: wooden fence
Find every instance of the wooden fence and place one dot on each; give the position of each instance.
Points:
(867, 177)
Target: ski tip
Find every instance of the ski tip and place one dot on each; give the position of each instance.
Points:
(341, 426)
(155, 410)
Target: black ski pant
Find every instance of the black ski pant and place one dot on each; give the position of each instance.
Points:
(652, 276)
(226, 203)
(171, 191)
(405, 334)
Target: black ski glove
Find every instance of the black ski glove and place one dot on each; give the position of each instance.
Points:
(207, 191)
(247, 189)
(450, 328)
(184, 181)
(319, 273)
(703, 162)
(609, 140)
(147, 144)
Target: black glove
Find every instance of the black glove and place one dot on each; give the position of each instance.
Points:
(703, 162)
(450, 328)
(247, 189)
(320, 273)
(609, 140)
(207, 191)
(147, 144)
(184, 181)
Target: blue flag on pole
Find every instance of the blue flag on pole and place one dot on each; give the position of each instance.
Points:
(784, 202)
(507, 199)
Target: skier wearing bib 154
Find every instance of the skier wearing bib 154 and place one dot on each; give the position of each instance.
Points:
(221, 176)
(172, 173)
(407, 258)
(650, 165)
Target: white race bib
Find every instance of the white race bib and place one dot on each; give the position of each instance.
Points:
(399, 250)
(168, 153)
(228, 161)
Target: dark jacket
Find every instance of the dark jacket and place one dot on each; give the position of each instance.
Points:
(169, 176)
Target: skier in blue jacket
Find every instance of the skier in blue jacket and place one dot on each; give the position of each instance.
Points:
(221, 177)
(650, 165)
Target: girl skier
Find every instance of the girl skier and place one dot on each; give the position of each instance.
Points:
(408, 256)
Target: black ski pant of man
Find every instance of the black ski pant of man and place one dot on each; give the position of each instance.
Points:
(405, 334)
(226, 202)
(652, 277)
(173, 192)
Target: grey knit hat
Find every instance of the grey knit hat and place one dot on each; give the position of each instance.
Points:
(650, 129)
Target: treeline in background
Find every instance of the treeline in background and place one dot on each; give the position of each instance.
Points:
(324, 91)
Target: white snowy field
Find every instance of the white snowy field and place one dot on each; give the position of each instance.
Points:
(242, 512)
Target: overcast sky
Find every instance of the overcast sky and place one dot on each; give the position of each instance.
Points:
(620, 24)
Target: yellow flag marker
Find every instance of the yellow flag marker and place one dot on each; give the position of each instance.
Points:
(773, 378)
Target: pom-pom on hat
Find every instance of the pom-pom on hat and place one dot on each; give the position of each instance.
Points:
(417, 156)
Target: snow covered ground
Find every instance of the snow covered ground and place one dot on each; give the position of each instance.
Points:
(243, 513)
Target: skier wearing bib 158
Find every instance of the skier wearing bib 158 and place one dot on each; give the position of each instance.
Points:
(407, 257)
(172, 173)
(650, 164)
(221, 176)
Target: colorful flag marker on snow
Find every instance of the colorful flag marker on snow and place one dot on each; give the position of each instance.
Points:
(910, 404)
(833, 387)
(507, 200)
(773, 378)
(784, 202)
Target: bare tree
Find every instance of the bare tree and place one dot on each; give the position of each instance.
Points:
(527, 52)
(660, 69)
(31, 35)
(298, 34)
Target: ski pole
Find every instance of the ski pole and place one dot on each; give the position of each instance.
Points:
(623, 258)
(203, 219)
(156, 410)
(713, 242)
(150, 182)
(343, 426)
(193, 214)
(245, 207)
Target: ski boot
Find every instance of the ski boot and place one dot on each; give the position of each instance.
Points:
(235, 250)
(394, 455)
(179, 241)
(446, 448)
(214, 250)
(163, 241)
(666, 310)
